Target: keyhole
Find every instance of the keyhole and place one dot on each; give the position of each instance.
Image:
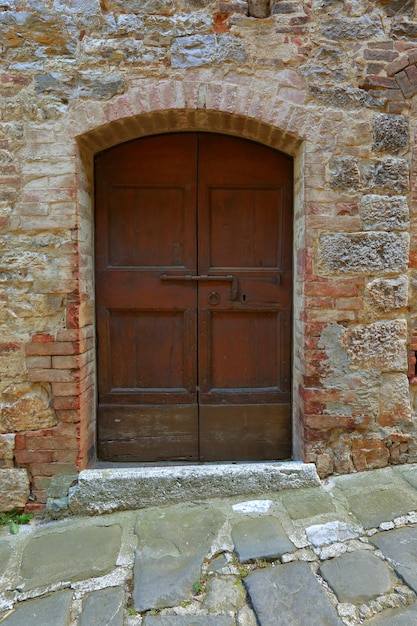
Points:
(244, 297)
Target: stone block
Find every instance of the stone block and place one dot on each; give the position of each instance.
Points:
(363, 253)
(387, 294)
(394, 398)
(345, 173)
(404, 30)
(229, 48)
(259, 8)
(392, 174)
(7, 448)
(100, 86)
(384, 212)
(380, 346)
(365, 27)
(14, 488)
(348, 97)
(369, 453)
(192, 51)
(26, 407)
(198, 50)
(390, 133)
(397, 7)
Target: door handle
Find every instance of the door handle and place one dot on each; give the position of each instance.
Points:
(205, 277)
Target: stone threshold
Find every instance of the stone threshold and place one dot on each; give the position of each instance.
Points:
(108, 489)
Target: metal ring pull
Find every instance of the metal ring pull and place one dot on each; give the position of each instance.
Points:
(214, 298)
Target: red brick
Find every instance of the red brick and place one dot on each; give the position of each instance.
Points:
(68, 416)
(51, 469)
(65, 456)
(52, 443)
(65, 362)
(43, 362)
(42, 338)
(51, 375)
(53, 349)
(407, 87)
(381, 45)
(380, 55)
(6, 348)
(65, 389)
(332, 288)
(326, 422)
(20, 441)
(397, 65)
(35, 507)
(351, 304)
(33, 456)
(66, 402)
(396, 107)
(411, 72)
(390, 94)
(374, 81)
(68, 335)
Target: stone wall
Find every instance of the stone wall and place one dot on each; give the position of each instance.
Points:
(330, 82)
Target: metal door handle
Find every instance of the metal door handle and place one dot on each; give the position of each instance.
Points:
(205, 277)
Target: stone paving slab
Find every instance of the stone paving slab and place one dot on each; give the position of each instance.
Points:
(224, 593)
(53, 610)
(172, 544)
(376, 497)
(357, 576)
(103, 608)
(395, 617)
(188, 620)
(5, 554)
(289, 594)
(306, 503)
(69, 554)
(260, 538)
(400, 546)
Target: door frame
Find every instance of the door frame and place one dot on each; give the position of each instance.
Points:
(161, 122)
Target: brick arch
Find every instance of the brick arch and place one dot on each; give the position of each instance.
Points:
(176, 120)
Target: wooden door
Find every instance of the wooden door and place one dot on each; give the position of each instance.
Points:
(193, 291)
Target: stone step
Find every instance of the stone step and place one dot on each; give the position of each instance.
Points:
(104, 490)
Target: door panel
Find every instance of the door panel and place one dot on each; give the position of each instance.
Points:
(147, 361)
(193, 272)
(244, 342)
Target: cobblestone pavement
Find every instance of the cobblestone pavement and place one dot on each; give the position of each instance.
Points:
(343, 552)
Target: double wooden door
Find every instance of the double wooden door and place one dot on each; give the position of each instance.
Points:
(193, 292)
